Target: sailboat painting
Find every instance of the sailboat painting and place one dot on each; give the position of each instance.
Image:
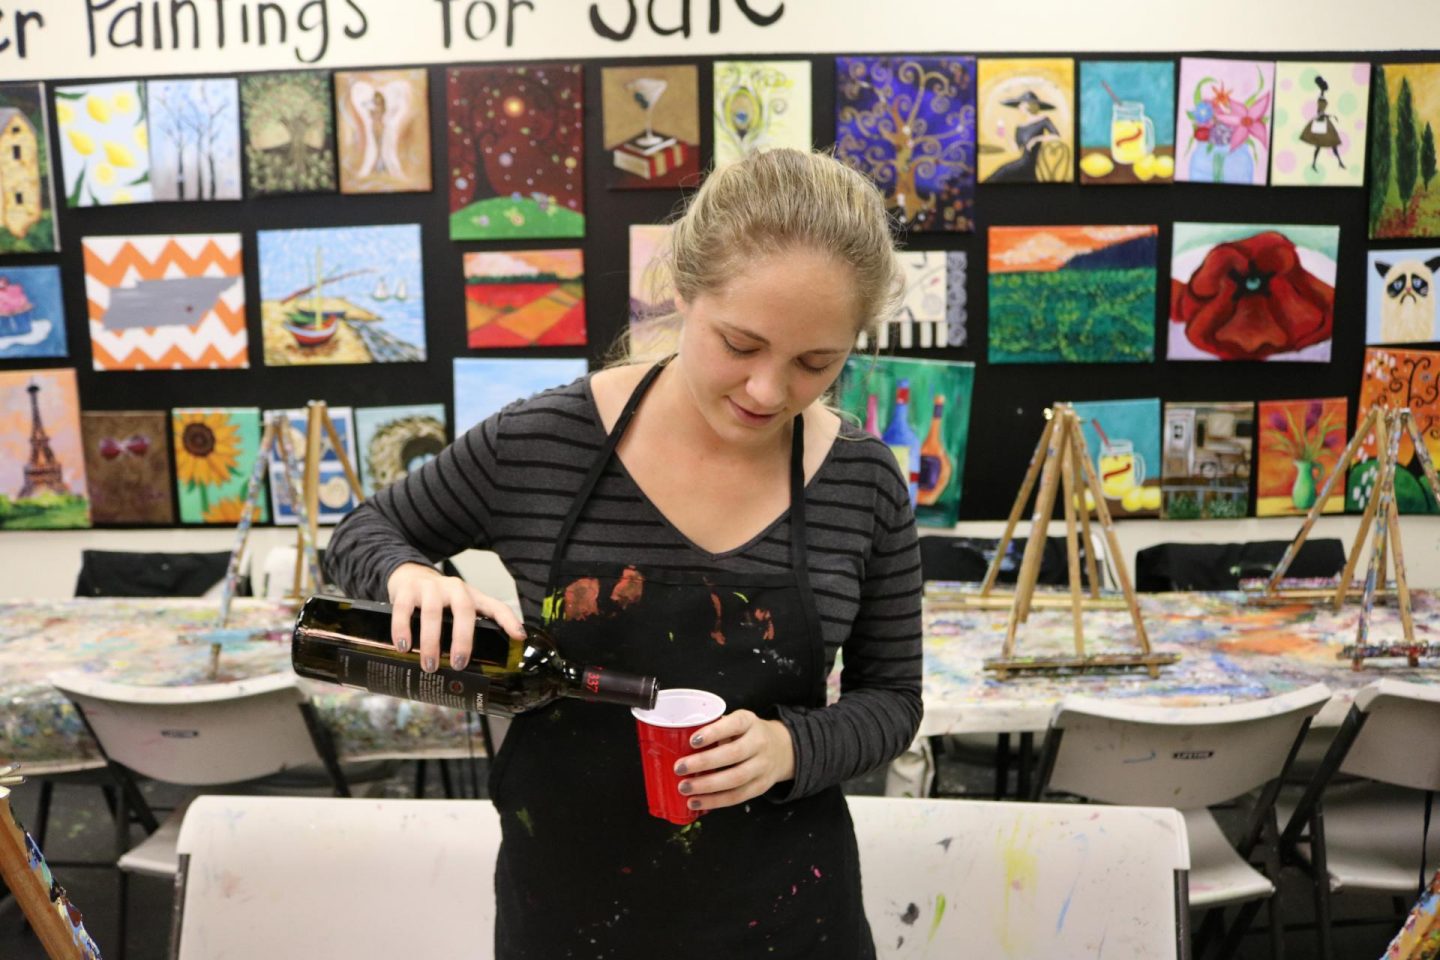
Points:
(342, 295)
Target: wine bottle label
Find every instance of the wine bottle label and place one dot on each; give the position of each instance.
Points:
(456, 689)
(929, 471)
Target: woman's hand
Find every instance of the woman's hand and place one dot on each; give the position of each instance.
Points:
(749, 756)
(414, 586)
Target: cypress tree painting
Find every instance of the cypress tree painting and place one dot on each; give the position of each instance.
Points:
(1404, 191)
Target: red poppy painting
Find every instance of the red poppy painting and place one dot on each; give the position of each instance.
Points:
(1252, 292)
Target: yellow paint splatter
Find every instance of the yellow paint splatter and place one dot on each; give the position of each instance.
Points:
(1022, 870)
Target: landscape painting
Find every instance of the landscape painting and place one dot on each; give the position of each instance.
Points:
(127, 466)
(515, 152)
(166, 302)
(1123, 437)
(215, 453)
(760, 104)
(1319, 124)
(1223, 120)
(194, 139)
(289, 123)
(1206, 452)
(1395, 378)
(393, 441)
(43, 486)
(334, 495)
(651, 126)
(1127, 121)
(483, 387)
(1401, 296)
(652, 291)
(384, 130)
(1244, 291)
(1404, 112)
(1027, 120)
(342, 295)
(1072, 294)
(32, 313)
(938, 415)
(1301, 442)
(27, 205)
(103, 143)
(908, 123)
(525, 298)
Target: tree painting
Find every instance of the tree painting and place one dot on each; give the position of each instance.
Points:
(194, 139)
(289, 133)
(1404, 194)
(909, 124)
(515, 150)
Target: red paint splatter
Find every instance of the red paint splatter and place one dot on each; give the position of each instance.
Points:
(765, 617)
(582, 599)
(628, 588)
(717, 634)
(816, 871)
(754, 923)
(626, 870)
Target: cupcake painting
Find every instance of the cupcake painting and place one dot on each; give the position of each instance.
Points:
(32, 317)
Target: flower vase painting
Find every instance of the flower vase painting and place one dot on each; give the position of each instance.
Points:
(1223, 121)
(1404, 187)
(1252, 292)
(43, 485)
(215, 453)
(1127, 121)
(1300, 443)
(908, 123)
(1395, 378)
(1319, 124)
(1026, 127)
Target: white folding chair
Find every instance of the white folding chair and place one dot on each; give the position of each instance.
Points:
(1189, 758)
(1025, 881)
(1370, 833)
(287, 878)
(199, 736)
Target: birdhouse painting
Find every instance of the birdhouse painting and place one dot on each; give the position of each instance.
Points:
(760, 104)
(1026, 127)
(908, 123)
(652, 126)
(27, 197)
(383, 118)
(42, 485)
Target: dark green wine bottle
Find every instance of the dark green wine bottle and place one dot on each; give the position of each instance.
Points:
(348, 642)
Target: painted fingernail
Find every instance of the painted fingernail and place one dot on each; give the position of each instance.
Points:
(685, 786)
(458, 663)
(694, 804)
(402, 645)
(697, 740)
(680, 768)
(428, 664)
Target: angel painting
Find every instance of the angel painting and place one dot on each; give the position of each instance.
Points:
(384, 131)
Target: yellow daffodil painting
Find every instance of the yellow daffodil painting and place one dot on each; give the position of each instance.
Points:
(215, 451)
(103, 143)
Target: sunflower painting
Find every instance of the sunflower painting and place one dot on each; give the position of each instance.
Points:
(215, 451)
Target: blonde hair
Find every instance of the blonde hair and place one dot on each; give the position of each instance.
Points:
(766, 204)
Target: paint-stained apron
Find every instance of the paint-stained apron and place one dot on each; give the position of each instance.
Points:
(584, 870)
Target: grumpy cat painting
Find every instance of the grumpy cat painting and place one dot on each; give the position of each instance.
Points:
(1402, 296)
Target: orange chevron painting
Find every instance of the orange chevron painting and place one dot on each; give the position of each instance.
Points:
(166, 302)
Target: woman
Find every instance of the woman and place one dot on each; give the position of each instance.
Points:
(708, 520)
(1030, 138)
(1320, 130)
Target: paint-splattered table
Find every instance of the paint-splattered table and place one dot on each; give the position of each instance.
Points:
(1231, 650)
(162, 642)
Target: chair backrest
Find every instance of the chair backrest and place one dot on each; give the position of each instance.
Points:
(1221, 566)
(301, 877)
(1185, 757)
(968, 559)
(201, 735)
(117, 573)
(1398, 743)
(966, 878)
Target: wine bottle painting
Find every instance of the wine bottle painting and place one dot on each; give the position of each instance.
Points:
(920, 409)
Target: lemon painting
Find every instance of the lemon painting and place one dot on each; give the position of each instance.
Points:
(1127, 121)
(104, 144)
(1123, 439)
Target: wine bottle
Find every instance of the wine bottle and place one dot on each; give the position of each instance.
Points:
(345, 641)
(935, 463)
(872, 416)
(902, 440)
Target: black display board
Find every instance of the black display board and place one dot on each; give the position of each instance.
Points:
(1008, 400)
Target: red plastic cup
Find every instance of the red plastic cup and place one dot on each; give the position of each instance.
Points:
(665, 733)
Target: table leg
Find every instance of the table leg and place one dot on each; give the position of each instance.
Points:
(1027, 757)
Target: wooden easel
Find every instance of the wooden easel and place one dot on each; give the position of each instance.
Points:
(48, 910)
(1065, 468)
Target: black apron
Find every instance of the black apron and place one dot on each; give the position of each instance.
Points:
(584, 870)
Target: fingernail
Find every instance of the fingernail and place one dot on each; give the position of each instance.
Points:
(685, 786)
(680, 768)
(693, 804)
(458, 663)
(428, 664)
(402, 645)
(696, 740)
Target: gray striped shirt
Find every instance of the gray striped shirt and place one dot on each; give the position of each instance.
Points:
(507, 484)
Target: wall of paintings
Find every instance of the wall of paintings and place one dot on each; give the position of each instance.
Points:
(1223, 260)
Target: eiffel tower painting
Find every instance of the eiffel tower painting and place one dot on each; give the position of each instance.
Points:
(43, 472)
